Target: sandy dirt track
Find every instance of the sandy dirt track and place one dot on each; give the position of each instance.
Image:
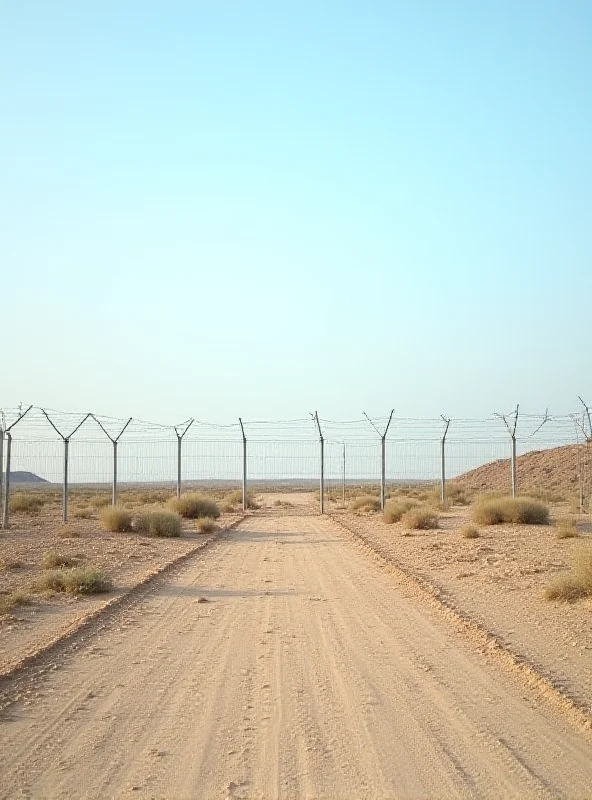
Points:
(307, 674)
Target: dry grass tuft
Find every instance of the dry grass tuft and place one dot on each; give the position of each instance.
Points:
(80, 580)
(12, 600)
(469, 531)
(394, 510)
(194, 506)
(518, 510)
(420, 519)
(116, 520)
(158, 523)
(206, 525)
(576, 585)
(99, 500)
(67, 532)
(83, 513)
(7, 564)
(566, 528)
(22, 503)
(54, 560)
(365, 502)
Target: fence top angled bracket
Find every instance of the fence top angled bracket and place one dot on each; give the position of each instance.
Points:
(114, 439)
(242, 427)
(512, 430)
(382, 435)
(188, 423)
(315, 418)
(58, 431)
(7, 429)
(446, 422)
(587, 435)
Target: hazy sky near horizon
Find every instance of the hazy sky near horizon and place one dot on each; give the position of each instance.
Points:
(259, 209)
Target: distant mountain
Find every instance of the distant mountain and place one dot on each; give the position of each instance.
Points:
(26, 477)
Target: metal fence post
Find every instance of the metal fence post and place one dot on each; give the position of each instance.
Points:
(5, 518)
(1, 460)
(512, 432)
(343, 483)
(65, 487)
(382, 456)
(179, 440)
(114, 492)
(245, 500)
(180, 436)
(315, 417)
(443, 461)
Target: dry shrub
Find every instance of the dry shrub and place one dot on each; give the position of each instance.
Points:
(12, 600)
(519, 510)
(582, 568)
(365, 502)
(116, 520)
(566, 528)
(578, 584)
(7, 564)
(158, 523)
(80, 580)
(67, 532)
(420, 519)
(206, 525)
(394, 510)
(82, 513)
(21, 503)
(234, 498)
(99, 500)
(469, 531)
(54, 560)
(151, 496)
(194, 506)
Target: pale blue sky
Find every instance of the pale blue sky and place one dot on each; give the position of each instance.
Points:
(214, 209)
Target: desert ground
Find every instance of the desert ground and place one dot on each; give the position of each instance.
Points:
(291, 655)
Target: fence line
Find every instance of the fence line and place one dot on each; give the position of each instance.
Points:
(64, 449)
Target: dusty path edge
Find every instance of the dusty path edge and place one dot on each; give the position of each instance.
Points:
(93, 617)
(479, 636)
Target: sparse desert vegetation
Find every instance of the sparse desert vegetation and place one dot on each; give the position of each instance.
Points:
(158, 523)
(517, 510)
(421, 518)
(206, 525)
(566, 528)
(194, 505)
(79, 580)
(394, 510)
(469, 531)
(116, 519)
(365, 502)
(53, 560)
(577, 583)
(24, 503)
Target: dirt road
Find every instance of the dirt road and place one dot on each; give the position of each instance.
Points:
(281, 663)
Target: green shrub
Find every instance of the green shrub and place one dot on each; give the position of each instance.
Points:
(365, 502)
(519, 510)
(394, 510)
(194, 506)
(158, 523)
(80, 580)
(21, 503)
(206, 525)
(420, 518)
(116, 519)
